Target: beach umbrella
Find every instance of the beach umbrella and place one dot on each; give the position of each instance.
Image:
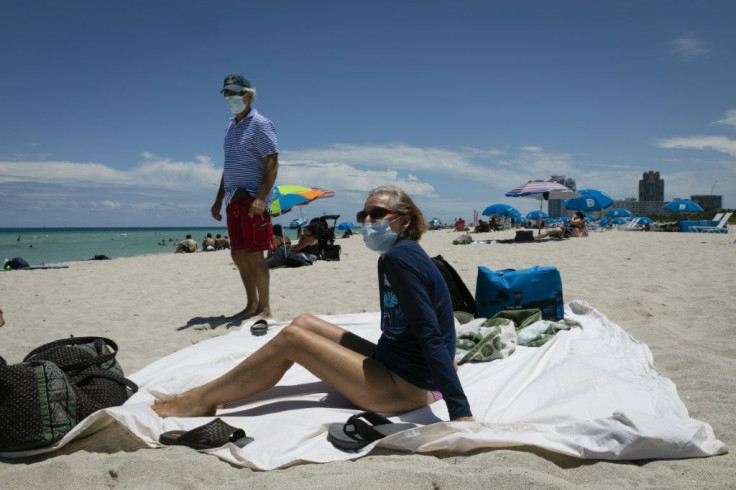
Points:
(287, 197)
(346, 225)
(603, 222)
(618, 213)
(589, 200)
(645, 221)
(683, 206)
(543, 190)
(535, 215)
(589, 217)
(564, 218)
(618, 221)
(501, 210)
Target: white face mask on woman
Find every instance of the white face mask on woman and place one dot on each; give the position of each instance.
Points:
(379, 236)
(235, 103)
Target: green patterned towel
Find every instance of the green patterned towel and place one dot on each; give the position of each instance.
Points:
(498, 336)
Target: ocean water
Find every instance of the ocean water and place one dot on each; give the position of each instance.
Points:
(57, 245)
(39, 246)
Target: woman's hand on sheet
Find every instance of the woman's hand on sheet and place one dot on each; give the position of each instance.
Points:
(463, 419)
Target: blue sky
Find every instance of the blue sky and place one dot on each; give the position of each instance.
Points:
(110, 112)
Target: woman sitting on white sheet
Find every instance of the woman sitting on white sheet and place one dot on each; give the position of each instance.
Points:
(411, 366)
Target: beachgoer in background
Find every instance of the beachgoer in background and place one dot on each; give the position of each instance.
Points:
(219, 242)
(483, 227)
(308, 244)
(276, 257)
(410, 367)
(460, 225)
(2, 320)
(249, 172)
(187, 246)
(577, 224)
(208, 244)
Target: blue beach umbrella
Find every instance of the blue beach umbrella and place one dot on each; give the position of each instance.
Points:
(346, 225)
(603, 222)
(535, 215)
(618, 221)
(683, 206)
(564, 218)
(589, 200)
(589, 217)
(501, 210)
(618, 213)
(645, 221)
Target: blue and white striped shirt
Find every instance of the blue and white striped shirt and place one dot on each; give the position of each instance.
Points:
(246, 146)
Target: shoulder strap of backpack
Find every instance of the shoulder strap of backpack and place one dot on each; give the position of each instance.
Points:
(468, 301)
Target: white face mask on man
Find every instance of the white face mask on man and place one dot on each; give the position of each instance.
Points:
(235, 103)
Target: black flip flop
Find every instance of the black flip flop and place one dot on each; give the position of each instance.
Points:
(363, 428)
(211, 435)
(260, 327)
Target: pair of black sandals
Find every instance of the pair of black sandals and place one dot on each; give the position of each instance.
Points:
(360, 430)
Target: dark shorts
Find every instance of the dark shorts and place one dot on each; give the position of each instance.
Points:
(248, 234)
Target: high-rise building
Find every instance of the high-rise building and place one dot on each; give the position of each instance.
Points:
(709, 202)
(555, 209)
(651, 187)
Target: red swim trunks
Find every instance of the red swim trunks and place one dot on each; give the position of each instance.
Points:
(249, 234)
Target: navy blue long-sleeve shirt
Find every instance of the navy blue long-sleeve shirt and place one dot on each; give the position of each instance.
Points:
(417, 324)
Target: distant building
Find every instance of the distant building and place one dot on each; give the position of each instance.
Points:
(709, 202)
(651, 187)
(639, 208)
(555, 209)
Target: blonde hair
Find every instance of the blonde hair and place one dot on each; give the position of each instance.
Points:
(402, 204)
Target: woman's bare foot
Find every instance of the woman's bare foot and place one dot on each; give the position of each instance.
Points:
(182, 406)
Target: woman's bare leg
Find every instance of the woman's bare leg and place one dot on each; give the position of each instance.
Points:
(321, 348)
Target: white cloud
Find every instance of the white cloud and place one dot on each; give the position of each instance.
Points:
(729, 119)
(720, 144)
(688, 48)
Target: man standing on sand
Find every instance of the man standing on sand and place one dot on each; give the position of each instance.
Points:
(249, 172)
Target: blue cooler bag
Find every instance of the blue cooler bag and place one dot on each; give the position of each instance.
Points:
(509, 289)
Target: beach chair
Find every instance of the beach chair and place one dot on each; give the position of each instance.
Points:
(721, 227)
(717, 217)
(631, 225)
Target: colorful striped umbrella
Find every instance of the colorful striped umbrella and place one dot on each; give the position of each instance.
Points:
(542, 190)
(286, 197)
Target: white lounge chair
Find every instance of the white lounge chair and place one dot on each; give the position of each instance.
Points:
(722, 225)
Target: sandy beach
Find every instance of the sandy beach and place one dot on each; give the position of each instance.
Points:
(672, 291)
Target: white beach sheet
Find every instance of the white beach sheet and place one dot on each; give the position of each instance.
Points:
(591, 392)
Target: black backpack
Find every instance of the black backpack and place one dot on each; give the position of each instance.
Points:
(15, 264)
(460, 295)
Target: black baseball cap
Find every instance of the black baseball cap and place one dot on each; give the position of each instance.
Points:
(235, 83)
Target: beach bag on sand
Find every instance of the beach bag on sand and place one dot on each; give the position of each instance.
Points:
(15, 264)
(509, 289)
(462, 298)
(38, 405)
(89, 363)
